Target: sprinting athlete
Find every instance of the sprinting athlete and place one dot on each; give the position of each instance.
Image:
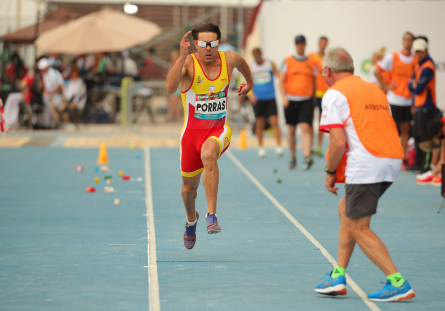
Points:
(204, 81)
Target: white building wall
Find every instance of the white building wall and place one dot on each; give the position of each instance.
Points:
(359, 26)
(9, 16)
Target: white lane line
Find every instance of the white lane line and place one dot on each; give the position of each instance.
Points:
(303, 230)
(153, 285)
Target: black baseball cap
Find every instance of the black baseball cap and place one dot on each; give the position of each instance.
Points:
(300, 39)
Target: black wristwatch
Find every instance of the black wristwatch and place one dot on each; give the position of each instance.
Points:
(330, 172)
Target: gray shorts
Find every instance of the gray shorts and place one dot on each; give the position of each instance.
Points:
(361, 200)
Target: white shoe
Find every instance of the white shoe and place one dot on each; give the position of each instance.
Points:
(261, 153)
(279, 151)
(424, 175)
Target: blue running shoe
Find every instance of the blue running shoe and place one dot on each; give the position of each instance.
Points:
(190, 234)
(212, 224)
(332, 287)
(391, 293)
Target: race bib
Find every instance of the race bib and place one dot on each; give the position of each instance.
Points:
(262, 77)
(211, 106)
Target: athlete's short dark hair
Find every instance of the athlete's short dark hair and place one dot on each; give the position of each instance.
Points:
(205, 27)
(257, 50)
(408, 33)
(323, 38)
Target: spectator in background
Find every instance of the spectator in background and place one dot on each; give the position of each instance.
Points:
(297, 81)
(15, 71)
(75, 95)
(423, 37)
(103, 63)
(25, 86)
(52, 94)
(174, 100)
(55, 61)
(401, 66)
(130, 67)
(85, 63)
(103, 68)
(262, 97)
(320, 87)
(32, 91)
(377, 56)
(66, 73)
(80, 64)
(423, 86)
(436, 129)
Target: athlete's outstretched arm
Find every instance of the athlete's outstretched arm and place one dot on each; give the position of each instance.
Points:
(178, 70)
(240, 63)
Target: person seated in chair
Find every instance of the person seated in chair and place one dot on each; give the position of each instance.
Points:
(75, 97)
(436, 130)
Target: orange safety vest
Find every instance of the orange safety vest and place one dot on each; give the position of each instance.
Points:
(419, 99)
(320, 81)
(372, 119)
(299, 78)
(386, 76)
(374, 124)
(401, 74)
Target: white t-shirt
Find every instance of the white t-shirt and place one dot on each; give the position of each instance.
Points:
(362, 167)
(386, 65)
(76, 91)
(52, 79)
(284, 70)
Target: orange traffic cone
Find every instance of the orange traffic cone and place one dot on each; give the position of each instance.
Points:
(103, 156)
(242, 140)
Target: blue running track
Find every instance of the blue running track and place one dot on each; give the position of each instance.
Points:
(64, 249)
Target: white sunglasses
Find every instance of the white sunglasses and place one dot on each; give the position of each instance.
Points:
(204, 44)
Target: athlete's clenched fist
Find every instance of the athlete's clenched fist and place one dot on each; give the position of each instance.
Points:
(243, 89)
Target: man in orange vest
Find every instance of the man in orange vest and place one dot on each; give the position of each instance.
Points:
(357, 116)
(423, 85)
(320, 86)
(400, 64)
(297, 87)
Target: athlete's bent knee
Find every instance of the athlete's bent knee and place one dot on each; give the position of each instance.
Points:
(209, 155)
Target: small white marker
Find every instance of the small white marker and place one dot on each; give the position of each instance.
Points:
(108, 189)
